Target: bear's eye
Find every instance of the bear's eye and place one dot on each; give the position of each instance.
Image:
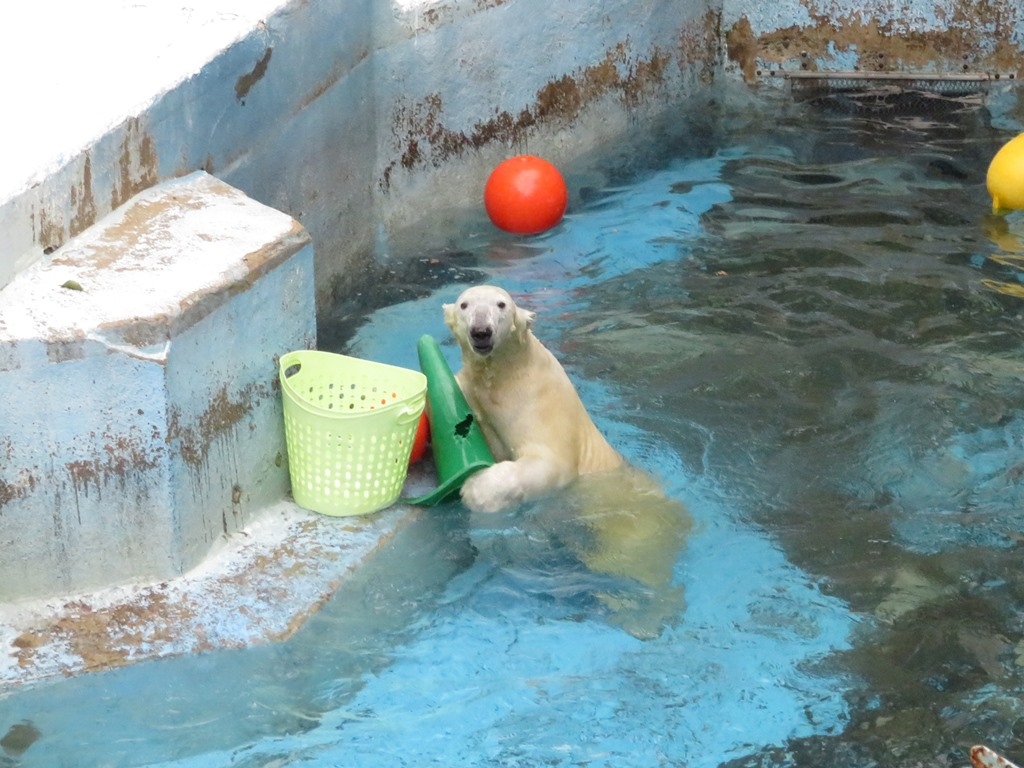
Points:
(501, 305)
(464, 305)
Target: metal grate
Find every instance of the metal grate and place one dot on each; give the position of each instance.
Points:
(894, 92)
(958, 84)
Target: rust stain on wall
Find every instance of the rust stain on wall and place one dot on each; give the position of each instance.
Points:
(742, 48)
(565, 97)
(17, 489)
(699, 45)
(137, 168)
(423, 139)
(221, 416)
(122, 457)
(643, 77)
(49, 231)
(977, 36)
(137, 164)
(245, 83)
(428, 140)
(83, 203)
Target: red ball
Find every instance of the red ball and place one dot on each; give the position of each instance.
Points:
(525, 195)
(419, 442)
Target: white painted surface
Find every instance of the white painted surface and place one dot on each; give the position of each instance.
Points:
(74, 70)
(171, 247)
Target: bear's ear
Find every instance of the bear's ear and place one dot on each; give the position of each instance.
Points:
(449, 315)
(523, 323)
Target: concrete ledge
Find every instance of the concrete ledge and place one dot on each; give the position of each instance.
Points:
(255, 588)
(138, 387)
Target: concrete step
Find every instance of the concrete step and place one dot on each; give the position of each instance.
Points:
(138, 387)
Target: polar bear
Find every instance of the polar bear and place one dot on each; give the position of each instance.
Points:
(616, 518)
(529, 411)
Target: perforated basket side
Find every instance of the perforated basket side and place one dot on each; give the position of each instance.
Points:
(349, 461)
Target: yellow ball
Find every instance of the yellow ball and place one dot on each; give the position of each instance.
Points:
(1005, 177)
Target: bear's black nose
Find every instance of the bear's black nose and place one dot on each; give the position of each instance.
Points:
(481, 338)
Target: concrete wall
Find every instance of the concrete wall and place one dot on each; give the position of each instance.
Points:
(357, 116)
(138, 388)
(469, 94)
(921, 36)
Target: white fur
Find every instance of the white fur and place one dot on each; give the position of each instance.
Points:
(529, 411)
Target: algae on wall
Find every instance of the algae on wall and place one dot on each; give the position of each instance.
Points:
(929, 36)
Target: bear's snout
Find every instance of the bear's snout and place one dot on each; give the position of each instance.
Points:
(482, 338)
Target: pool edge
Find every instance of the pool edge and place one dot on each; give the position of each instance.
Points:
(260, 586)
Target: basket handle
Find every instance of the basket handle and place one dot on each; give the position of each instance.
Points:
(290, 364)
(409, 413)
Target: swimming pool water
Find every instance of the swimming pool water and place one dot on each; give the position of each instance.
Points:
(801, 318)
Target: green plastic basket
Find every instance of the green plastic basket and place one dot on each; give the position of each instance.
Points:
(349, 427)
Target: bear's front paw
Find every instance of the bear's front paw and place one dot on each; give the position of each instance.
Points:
(494, 489)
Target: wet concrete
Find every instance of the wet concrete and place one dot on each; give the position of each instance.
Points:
(259, 586)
